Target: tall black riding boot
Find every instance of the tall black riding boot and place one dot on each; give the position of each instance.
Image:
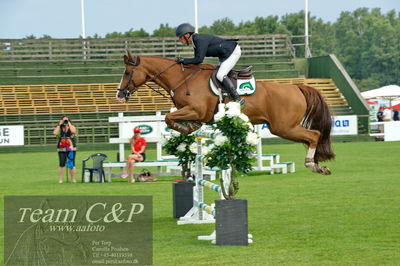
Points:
(232, 90)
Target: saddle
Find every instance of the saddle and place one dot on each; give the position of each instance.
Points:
(233, 75)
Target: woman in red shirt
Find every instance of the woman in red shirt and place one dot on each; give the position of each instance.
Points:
(138, 147)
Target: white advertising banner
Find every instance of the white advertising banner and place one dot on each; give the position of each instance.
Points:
(344, 125)
(11, 135)
(392, 131)
(264, 131)
(341, 125)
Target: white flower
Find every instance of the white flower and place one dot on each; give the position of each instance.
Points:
(252, 138)
(233, 106)
(175, 133)
(232, 113)
(218, 116)
(221, 107)
(210, 147)
(204, 127)
(251, 126)
(193, 147)
(173, 109)
(244, 117)
(181, 147)
(220, 140)
(164, 140)
(233, 109)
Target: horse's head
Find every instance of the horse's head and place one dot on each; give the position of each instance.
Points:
(132, 78)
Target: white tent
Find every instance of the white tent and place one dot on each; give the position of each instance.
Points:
(390, 91)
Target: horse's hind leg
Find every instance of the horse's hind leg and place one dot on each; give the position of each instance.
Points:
(309, 137)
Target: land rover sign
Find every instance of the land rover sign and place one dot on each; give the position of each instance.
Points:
(145, 129)
(148, 130)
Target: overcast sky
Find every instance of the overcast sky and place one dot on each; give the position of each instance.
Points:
(62, 18)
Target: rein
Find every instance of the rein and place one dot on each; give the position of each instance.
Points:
(127, 93)
(156, 76)
(186, 78)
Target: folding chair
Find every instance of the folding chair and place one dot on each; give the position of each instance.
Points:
(94, 163)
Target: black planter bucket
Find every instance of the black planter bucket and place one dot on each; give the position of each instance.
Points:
(182, 194)
(231, 222)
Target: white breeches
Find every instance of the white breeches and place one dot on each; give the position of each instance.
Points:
(229, 63)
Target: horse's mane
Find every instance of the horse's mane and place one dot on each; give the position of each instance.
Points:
(157, 57)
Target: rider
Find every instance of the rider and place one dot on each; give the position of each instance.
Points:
(227, 51)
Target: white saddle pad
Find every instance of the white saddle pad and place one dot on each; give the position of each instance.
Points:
(244, 86)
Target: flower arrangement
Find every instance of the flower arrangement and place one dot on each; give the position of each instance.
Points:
(180, 145)
(234, 146)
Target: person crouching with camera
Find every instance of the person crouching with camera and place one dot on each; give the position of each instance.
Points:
(66, 147)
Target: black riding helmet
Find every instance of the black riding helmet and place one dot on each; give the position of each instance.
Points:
(183, 29)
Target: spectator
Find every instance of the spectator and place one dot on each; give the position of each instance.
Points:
(396, 116)
(387, 114)
(138, 147)
(66, 147)
(379, 114)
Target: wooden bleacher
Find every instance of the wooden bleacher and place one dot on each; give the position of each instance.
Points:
(100, 97)
(326, 87)
(76, 98)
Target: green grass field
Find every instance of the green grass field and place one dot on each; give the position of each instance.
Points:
(349, 218)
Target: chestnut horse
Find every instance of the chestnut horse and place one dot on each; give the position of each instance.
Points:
(293, 112)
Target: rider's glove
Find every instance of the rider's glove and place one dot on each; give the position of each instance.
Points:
(179, 60)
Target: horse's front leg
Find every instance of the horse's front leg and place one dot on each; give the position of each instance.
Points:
(186, 114)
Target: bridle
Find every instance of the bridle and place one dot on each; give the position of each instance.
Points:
(125, 90)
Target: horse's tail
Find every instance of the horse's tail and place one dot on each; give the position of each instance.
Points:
(318, 117)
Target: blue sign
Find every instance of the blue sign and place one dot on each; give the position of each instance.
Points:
(341, 123)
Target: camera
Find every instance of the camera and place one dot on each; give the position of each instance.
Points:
(65, 122)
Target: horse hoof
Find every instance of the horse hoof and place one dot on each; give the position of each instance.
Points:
(316, 168)
(325, 170)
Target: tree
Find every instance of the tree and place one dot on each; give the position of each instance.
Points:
(246, 28)
(45, 36)
(269, 25)
(368, 45)
(30, 37)
(223, 26)
(114, 35)
(323, 39)
(164, 31)
(136, 33)
(295, 25)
